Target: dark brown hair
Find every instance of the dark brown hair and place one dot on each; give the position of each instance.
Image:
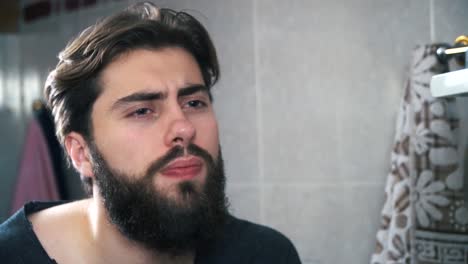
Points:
(73, 86)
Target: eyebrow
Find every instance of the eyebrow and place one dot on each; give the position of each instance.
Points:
(151, 96)
(191, 90)
(137, 97)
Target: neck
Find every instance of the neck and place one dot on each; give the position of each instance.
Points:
(109, 245)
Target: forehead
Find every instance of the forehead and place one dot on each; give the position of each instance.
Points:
(159, 70)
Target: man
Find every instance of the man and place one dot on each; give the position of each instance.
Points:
(131, 98)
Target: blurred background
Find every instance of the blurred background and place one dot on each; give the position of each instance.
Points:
(307, 102)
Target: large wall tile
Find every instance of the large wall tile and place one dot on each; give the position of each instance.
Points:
(295, 54)
(363, 203)
(450, 20)
(244, 201)
(337, 91)
(311, 216)
(369, 106)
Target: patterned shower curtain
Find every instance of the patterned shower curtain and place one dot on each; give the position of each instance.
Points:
(425, 215)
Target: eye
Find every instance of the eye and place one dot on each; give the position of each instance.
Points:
(141, 112)
(196, 104)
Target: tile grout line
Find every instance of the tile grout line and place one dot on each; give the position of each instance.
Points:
(300, 185)
(259, 115)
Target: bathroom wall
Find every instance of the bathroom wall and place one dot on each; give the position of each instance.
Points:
(307, 104)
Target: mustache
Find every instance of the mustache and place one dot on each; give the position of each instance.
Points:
(177, 152)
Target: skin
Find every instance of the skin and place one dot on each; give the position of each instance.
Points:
(131, 134)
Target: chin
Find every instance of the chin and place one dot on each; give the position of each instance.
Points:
(182, 192)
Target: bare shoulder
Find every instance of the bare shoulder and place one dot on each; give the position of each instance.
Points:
(58, 211)
(60, 227)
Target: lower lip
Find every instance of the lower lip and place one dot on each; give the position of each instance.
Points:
(183, 172)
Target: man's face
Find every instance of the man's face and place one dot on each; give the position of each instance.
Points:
(152, 101)
(155, 152)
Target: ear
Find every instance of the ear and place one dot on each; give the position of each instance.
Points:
(78, 150)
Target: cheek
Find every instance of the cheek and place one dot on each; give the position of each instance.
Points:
(207, 136)
(128, 150)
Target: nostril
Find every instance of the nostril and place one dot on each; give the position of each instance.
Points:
(178, 139)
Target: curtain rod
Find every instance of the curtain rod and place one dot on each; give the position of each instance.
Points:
(455, 50)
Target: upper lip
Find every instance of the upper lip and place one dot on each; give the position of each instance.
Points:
(183, 162)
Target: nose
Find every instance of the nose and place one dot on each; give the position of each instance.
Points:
(180, 132)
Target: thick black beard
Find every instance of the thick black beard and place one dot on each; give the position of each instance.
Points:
(157, 222)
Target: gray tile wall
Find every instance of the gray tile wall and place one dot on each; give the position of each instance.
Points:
(307, 104)
(11, 132)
